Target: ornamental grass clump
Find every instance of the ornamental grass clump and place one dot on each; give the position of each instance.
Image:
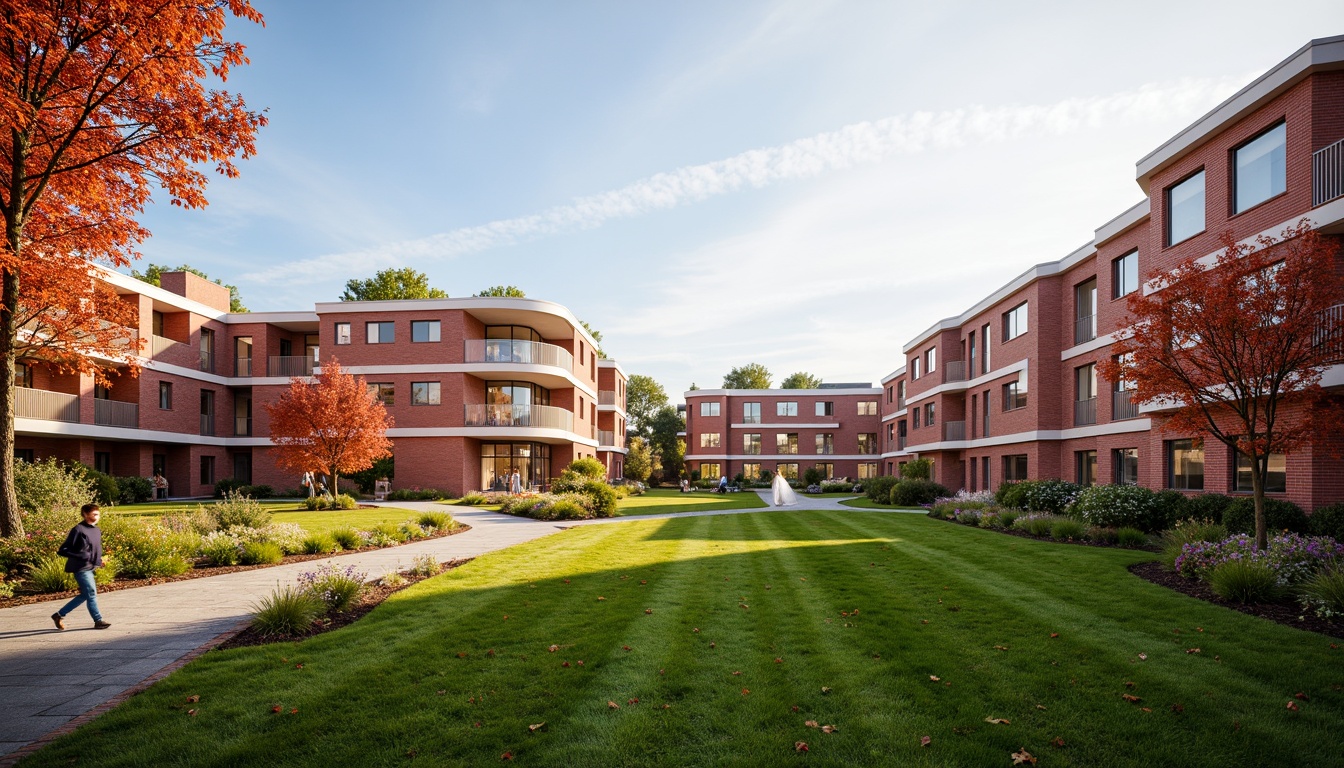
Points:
(967, 516)
(337, 589)
(260, 553)
(438, 521)
(473, 500)
(1034, 523)
(391, 531)
(1323, 593)
(320, 544)
(1293, 558)
(347, 538)
(1245, 581)
(1066, 529)
(425, 565)
(286, 612)
(1185, 532)
(48, 575)
(1131, 537)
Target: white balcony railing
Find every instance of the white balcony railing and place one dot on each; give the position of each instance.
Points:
(114, 413)
(290, 366)
(48, 406)
(544, 416)
(520, 352)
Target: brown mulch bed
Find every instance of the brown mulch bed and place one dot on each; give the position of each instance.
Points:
(373, 595)
(1288, 614)
(200, 572)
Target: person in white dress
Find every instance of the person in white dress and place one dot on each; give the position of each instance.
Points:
(784, 495)
(515, 483)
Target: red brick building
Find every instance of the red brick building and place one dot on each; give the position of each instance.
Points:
(1008, 389)
(478, 388)
(747, 431)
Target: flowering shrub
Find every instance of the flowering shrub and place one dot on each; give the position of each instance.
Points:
(221, 548)
(1035, 523)
(145, 549)
(970, 516)
(336, 588)
(46, 486)
(288, 536)
(1118, 506)
(238, 511)
(43, 533)
(1052, 496)
(1294, 558)
(963, 496)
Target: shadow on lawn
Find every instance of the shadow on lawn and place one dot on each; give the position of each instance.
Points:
(755, 525)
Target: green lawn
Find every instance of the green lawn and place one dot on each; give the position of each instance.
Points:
(287, 511)
(863, 502)
(454, 670)
(658, 501)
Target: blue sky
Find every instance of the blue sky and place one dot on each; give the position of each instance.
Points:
(806, 185)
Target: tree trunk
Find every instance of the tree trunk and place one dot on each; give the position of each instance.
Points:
(1259, 472)
(11, 522)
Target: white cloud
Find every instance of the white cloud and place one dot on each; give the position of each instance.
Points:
(859, 144)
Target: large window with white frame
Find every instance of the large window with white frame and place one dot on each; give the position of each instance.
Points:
(381, 332)
(1260, 168)
(709, 409)
(786, 408)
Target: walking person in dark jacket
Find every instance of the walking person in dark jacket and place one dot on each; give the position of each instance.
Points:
(83, 552)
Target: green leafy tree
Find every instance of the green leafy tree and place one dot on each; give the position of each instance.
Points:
(153, 272)
(638, 460)
(800, 380)
(663, 439)
(503, 291)
(643, 399)
(749, 376)
(404, 283)
(597, 338)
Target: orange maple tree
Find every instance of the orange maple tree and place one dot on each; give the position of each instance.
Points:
(1236, 348)
(332, 424)
(100, 100)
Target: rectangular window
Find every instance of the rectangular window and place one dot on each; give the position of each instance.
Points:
(424, 393)
(1185, 209)
(709, 409)
(25, 454)
(789, 471)
(1276, 482)
(709, 439)
(868, 442)
(1185, 465)
(984, 420)
(751, 470)
(1014, 468)
(1125, 275)
(984, 349)
(928, 414)
(207, 470)
(207, 412)
(1126, 466)
(914, 367)
(825, 409)
(867, 407)
(786, 409)
(786, 443)
(1085, 311)
(971, 358)
(915, 417)
(900, 394)
(1086, 467)
(709, 472)
(383, 392)
(1085, 395)
(751, 443)
(380, 333)
(984, 466)
(889, 397)
(891, 435)
(1014, 394)
(102, 462)
(825, 442)
(166, 395)
(867, 470)
(931, 360)
(751, 413)
(207, 350)
(827, 469)
(424, 330)
(1261, 168)
(342, 333)
(1015, 322)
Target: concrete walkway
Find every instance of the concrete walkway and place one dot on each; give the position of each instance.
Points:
(49, 678)
(52, 680)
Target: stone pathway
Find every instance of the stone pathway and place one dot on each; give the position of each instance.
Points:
(52, 681)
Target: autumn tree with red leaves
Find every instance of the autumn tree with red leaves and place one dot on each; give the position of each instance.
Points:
(1238, 347)
(332, 424)
(100, 101)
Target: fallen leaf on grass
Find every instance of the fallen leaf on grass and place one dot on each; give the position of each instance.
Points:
(1130, 698)
(746, 691)
(935, 678)
(1143, 657)
(506, 617)
(553, 648)
(613, 705)
(601, 598)
(1192, 650)
(812, 724)
(193, 699)
(293, 711)
(800, 746)
(276, 709)
(566, 581)
(997, 721)
(1292, 706)
(696, 630)
(1053, 635)
(298, 666)
(1040, 706)
(1130, 684)
(829, 729)
(744, 606)
(1023, 758)
(490, 653)
(1058, 741)
(1301, 696)
(442, 692)
(667, 706)
(580, 662)
(632, 701)
(924, 621)
(191, 712)
(825, 689)
(778, 660)
(712, 645)
(1177, 708)
(648, 610)
(476, 724)
(925, 741)
(642, 581)
(462, 654)
(662, 672)
(737, 673)
(1000, 647)
(564, 664)
(506, 756)
(1145, 709)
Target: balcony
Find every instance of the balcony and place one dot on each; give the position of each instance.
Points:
(114, 413)
(608, 437)
(1084, 329)
(48, 406)
(606, 397)
(160, 346)
(542, 416)
(1123, 405)
(242, 366)
(207, 361)
(900, 403)
(954, 370)
(1329, 333)
(290, 366)
(519, 352)
(954, 430)
(242, 426)
(207, 424)
(1327, 173)
(1085, 412)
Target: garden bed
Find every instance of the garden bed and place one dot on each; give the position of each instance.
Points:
(1289, 614)
(200, 572)
(1076, 542)
(373, 595)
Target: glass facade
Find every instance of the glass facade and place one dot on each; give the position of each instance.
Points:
(532, 462)
(510, 343)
